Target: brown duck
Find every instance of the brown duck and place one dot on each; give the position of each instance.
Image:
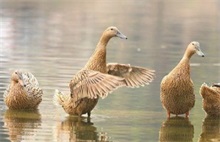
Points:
(23, 91)
(176, 89)
(211, 99)
(97, 79)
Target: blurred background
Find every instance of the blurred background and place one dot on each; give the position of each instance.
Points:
(54, 39)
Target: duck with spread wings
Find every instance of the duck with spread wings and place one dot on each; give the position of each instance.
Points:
(98, 79)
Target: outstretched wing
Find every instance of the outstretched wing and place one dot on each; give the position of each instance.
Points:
(91, 84)
(134, 76)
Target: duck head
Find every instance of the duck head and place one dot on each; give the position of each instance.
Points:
(18, 78)
(216, 85)
(113, 32)
(193, 48)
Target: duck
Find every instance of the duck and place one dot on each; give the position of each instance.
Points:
(97, 79)
(211, 98)
(176, 88)
(23, 92)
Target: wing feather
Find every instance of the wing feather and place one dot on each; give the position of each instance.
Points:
(134, 76)
(93, 84)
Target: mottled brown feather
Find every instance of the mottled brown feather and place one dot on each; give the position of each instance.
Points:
(23, 91)
(134, 76)
(211, 99)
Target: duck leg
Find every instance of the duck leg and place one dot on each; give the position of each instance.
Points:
(187, 114)
(89, 113)
(168, 114)
(88, 120)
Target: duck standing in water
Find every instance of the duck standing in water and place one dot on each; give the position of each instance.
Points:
(176, 89)
(97, 79)
(23, 91)
(211, 99)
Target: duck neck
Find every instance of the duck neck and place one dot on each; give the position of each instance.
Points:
(103, 41)
(98, 60)
(188, 54)
(184, 65)
(13, 83)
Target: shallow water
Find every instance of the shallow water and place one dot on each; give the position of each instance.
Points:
(54, 40)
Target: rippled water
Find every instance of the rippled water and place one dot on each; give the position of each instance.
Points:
(54, 39)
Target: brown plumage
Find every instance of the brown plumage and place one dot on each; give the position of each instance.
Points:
(211, 99)
(97, 79)
(176, 90)
(23, 91)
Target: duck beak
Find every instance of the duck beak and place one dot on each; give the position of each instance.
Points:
(21, 82)
(216, 85)
(200, 53)
(119, 34)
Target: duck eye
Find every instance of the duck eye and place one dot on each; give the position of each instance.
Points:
(111, 28)
(192, 43)
(16, 72)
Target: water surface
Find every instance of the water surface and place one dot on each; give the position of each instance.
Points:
(54, 39)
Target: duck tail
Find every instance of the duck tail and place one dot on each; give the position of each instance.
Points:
(59, 98)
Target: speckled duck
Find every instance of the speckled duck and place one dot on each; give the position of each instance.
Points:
(176, 89)
(23, 92)
(211, 98)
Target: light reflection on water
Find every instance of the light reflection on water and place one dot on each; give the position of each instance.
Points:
(54, 39)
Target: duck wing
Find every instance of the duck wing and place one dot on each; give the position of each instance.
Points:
(6, 92)
(93, 84)
(31, 85)
(134, 76)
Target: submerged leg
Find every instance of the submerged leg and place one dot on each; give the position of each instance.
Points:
(89, 113)
(88, 118)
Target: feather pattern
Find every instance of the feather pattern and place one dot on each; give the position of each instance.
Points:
(134, 76)
(60, 98)
(91, 84)
(23, 92)
(177, 89)
(211, 99)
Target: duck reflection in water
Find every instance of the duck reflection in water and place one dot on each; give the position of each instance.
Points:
(176, 129)
(21, 125)
(79, 129)
(210, 129)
